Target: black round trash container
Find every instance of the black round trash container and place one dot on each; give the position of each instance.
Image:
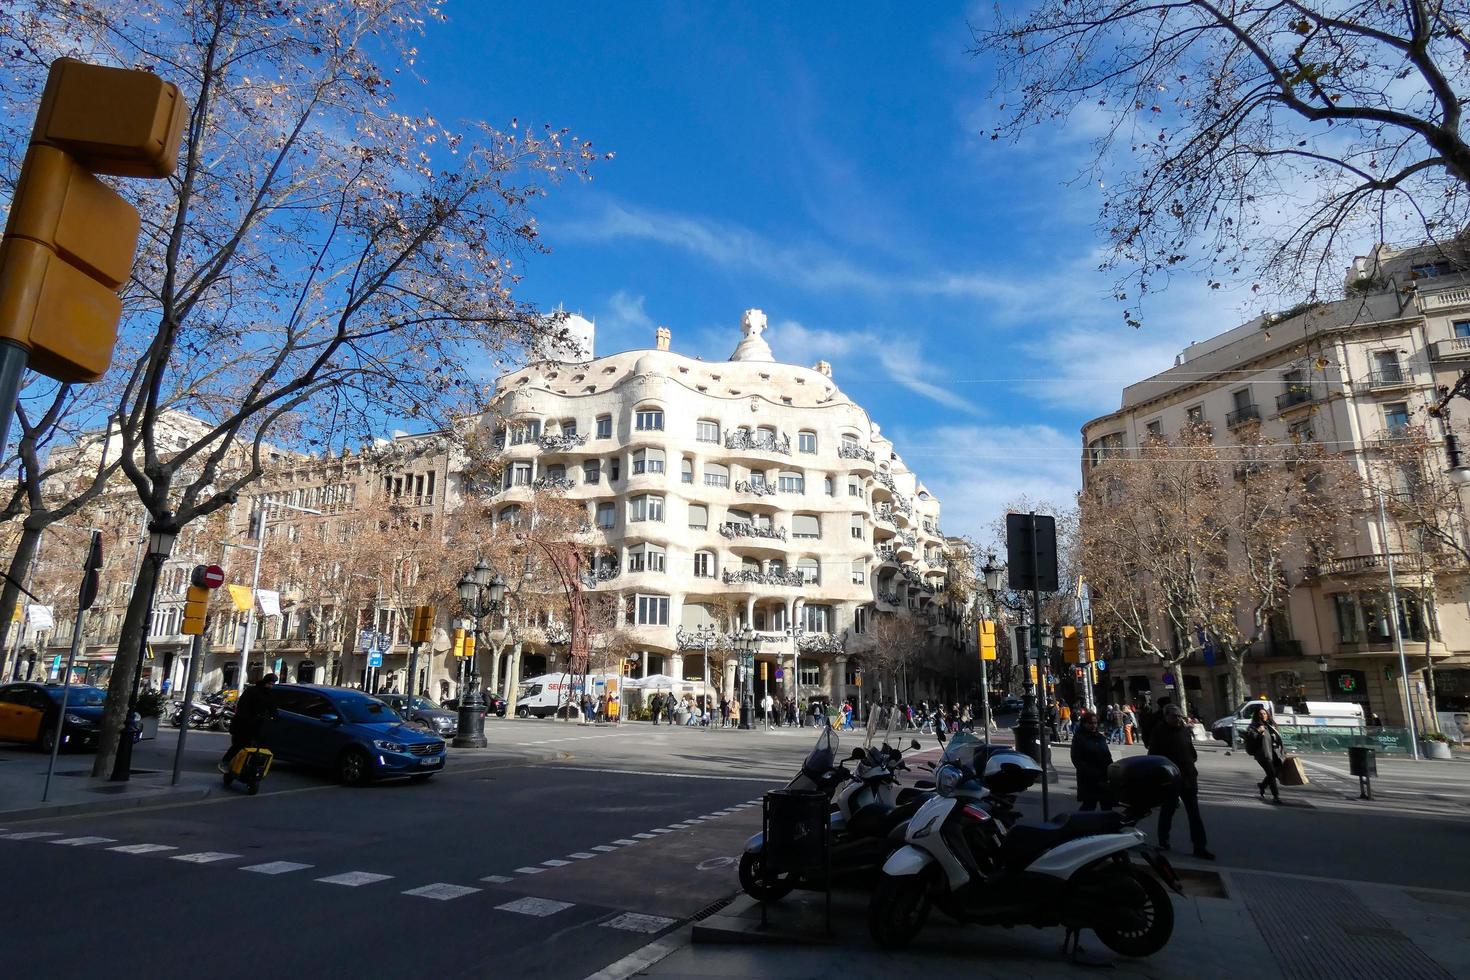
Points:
(796, 829)
(1362, 760)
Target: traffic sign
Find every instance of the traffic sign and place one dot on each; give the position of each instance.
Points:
(365, 639)
(375, 659)
(385, 643)
(213, 576)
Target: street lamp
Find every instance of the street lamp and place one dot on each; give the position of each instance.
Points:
(161, 536)
(481, 592)
(746, 642)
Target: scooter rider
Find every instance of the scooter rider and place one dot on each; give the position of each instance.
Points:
(251, 712)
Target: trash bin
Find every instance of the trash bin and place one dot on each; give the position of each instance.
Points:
(796, 829)
(1362, 760)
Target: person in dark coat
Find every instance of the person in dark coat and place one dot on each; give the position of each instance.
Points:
(1263, 742)
(1091, 758)
(1172, 739)
(252, 709)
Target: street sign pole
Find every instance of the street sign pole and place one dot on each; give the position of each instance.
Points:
(71, 656)
(196, 653)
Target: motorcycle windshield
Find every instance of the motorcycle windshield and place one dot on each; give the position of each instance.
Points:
(819, 761)
(964, 750)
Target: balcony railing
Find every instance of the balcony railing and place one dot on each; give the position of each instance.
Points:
(889, 597)
(885, 552)
(1390, 376)
(1355, 564)
(819, 643)
(887, 481)
(691, 640)
(751, 576)
(908, 538)
(884, 512)
(763, 441)
(553, 483)
(605, 573)
(1454, 349)
(761, 489)
(739, 529)
(1242, 415)
(850, 450)
(1298, 394)
(560, 444)
(902, 506)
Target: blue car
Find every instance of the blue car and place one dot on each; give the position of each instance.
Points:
(357, 737)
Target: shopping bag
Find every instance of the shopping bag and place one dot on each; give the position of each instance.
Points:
(1293, 773)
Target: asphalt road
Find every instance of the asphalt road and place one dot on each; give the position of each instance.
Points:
(557, 851)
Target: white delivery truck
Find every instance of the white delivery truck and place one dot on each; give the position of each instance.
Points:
(540, 696)
(1343, 716)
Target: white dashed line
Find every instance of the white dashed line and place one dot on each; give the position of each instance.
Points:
(143, 848)
(354, 879)
(442, 891)
(644, 836)
(581, 855)
(275, 867)
(529, 871)
(204, 857)
(638, 922)
(624, 842)
(534, 906)
(496, 879)
(604, 848)
(80, 841)
(32, 834)
(556, 863)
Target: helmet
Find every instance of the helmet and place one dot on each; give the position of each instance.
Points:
(1010, 772)
(1143, 780)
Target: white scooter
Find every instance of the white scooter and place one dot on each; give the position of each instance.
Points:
(964, 856)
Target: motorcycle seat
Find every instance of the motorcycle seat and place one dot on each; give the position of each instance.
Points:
(1029, 839)
(873, 820)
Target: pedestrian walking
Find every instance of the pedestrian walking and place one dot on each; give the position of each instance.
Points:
(252, 708)
(1091, 758)
(735, 713)
(1173, 740)
(766, 704)
(1263, 742)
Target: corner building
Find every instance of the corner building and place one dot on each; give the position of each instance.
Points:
(726, 495)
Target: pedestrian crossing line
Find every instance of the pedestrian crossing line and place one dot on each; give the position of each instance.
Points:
(659, 830)
(32, 834)
(276, 867)
(442, 891)
(204, 857)
(81, 841)
(143, 848)
(497, 879)
(645, 836)
(529, 871)
(604, 848)
(624, 842)
(556, 863)
(540, 907)
(581, 855)
(639, 922)
(354, 879)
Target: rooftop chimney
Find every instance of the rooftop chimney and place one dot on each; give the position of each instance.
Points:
(823, 367)
(663, 336)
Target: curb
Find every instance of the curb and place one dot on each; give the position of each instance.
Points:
(105, 806)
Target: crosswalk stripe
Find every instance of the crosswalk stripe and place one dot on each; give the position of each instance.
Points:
(604, 848)
(535, 906)
(143, 848)
(32, 834)
(581, 855)
(624, 842)
(275, 867)
(638, 922)
(644, 836)
(529, 871)
(354, 879)
(663, 830)
(556, 863)
(442, 891)
(204, 857)
(497, 879)
(79, 841)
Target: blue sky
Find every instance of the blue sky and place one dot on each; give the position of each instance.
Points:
(824, 164)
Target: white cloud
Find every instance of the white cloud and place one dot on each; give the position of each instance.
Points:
(626, 311)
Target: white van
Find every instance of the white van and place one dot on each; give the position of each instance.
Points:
(1318, 714)
(540, 696)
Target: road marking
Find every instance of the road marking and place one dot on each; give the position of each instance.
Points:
(442, 891)
(581, 855)
(661, 830)
(32, 834)
(143, 848)
(79, 841)
(534, 906)
(496, 879)
(681, 826)
(670, 775)
(644, 836)
(624, 842)
(604, 848)
(354, 879)
(556, 863)
(204, 857)
(529, 871)
(275, 867)
(638, 922)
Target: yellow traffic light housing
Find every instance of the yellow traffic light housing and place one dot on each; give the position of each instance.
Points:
(116, 121)
(459, 642)
(1089, 651)
(196, 606)
(986, 629)
(469, 644)
(423, 624)
(1071, 644)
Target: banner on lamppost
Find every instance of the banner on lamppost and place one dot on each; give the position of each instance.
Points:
(240, 595)
(39, 617)
(270, 602)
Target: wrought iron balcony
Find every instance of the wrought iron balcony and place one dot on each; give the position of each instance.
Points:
(850, 450)
(902, 506)
(761, 489)
(1242, 415)
(884, 512)
(604, 573)
(1390, 376)
(553, 483)
(561, 444)
(557, 634)
(889, 597)
(887, 481)
(750, 576)
(697, 640)
(1298, 394)
(739, 529)
(820, 643)
(763, 441)
(908, 538)
(885, 552)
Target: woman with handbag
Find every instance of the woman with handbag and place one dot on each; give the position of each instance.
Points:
(1263, 742)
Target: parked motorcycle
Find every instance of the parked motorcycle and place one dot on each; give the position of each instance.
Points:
(870, 814)
(199, 714)
(969, 854)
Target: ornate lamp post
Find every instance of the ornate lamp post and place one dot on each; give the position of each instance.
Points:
(481, 592)
(746, 642)
(161, 536)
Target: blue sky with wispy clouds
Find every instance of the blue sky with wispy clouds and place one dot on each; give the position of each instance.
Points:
(826, 164)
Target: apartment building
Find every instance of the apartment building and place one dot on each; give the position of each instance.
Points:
(1346, 375)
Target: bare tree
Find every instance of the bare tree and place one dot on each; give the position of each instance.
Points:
(1242, 137)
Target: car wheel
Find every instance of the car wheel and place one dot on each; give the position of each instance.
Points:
(523, 712)
(352, 767)
(46, 740)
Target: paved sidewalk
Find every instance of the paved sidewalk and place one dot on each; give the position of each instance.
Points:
(75, 791)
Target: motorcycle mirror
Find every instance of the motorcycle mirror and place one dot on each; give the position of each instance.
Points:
(914, 744)
(857, 756)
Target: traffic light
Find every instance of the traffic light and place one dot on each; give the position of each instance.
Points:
(69, 241)
(1032, 668)
(1071, 644)
(423, 624)
(459, 642)
(469, 644)
(763, 670)
(196, 606)
(1089, 651)
(987, 639)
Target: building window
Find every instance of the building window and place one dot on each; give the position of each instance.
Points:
(646, 558)
(706, 431)
(686, 470)
(816, 619)
(1155, 428)
(604, 426)
(524, 432)
(648, 461)
(810, 572)
(806, 526)
(1396, 418)
(848, 439)
(829, 486)
(716, 475)
(520, 474)
(860, 620)
(858, 525)
(592, 471)
(859, 571)
(568, 427)
(854, 488)
(649, 420)
(607, 515)
(647, 507)
(790, 482)
(1431, 270)
(1462, 328)
(1195, 414)
(704, 564)
(699, 517)
(612, 471)
(806, 442)
(652, 610)
(510, 515)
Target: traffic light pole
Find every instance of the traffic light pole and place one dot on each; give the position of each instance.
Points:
(13, 360)
(196, 653)
(71, 657)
